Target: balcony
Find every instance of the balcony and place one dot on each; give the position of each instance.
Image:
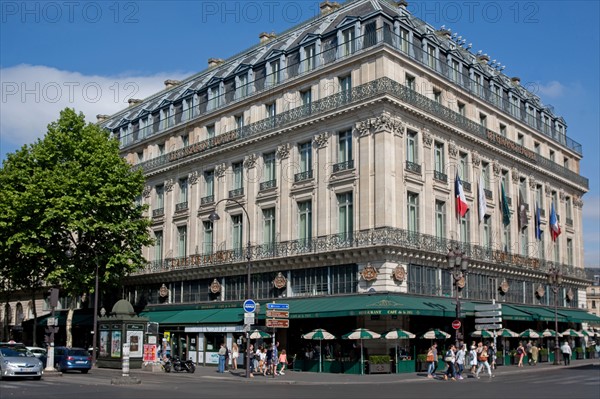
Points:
(159, 212)
(509, 201)
(266, 185)
(441, 177)
(569, 222)
(181, 207)
(488, 194)
(542, 213)
(343, 166)
(466, 186)
(413, 167)
(302, 176)
(209, 199)
(238, 192)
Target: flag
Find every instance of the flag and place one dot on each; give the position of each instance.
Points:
(554, 226)
(523, 222)
(461, 202)
(538, 223)
(505, 209)
(481, 199)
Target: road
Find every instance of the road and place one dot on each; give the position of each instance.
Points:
(576, 382)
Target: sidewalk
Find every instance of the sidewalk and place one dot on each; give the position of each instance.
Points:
(310, 378)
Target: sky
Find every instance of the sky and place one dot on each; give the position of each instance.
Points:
(95, 55)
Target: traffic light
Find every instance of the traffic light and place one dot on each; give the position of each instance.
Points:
(53, 297)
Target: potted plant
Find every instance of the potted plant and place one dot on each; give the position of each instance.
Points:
(543, 355)
(379, 364)
(499, 358)
(513, 357)
(422, 362)
(579, 352)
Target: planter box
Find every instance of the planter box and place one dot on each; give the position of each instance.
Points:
(499, 361)
(578, 355)
(543, 358)
(380, 368)
(352, 367)
(405, 366)
(422, 365)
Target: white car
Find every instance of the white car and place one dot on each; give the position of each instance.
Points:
(17, 361)
(38, 352)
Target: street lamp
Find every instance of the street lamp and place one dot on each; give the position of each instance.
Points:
(555, 281)
(214, 217)
(457, 263)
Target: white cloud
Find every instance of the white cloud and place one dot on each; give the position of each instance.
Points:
(551, 89)
(33, 95)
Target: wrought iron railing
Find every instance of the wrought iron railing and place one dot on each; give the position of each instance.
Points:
(488, 194)
(158, 212)
(182, 206)
(343, 166)
(268, 184)
(466, 186)
(569, 222)
(238, 192)
(209, 199)
(440, 176)
(302, 176)
(383, 236)
(413, 167)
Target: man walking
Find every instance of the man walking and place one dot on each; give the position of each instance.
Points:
(431, 359)
(566, 352)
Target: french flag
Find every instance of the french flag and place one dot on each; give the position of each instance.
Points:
(554, 226)
(461, 202)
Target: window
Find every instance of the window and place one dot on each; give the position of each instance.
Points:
(183, 192)
(348, 37)
(537, 148)
(238, 175)
(185, 140)
(158, 245)
(207, 245)
(413, 212)
(437, 96)
(530, 115)
(556, 252)
(552, 156)
(182, 241)
(487, 232)
(213, 97)
(241, 85)
(431, 58)
(462, 109)
(569, 210)
(345, 216)
(269, 229)
(412, 147)
(439, 166)
(503, 130)
(569, 251)
(496, 96)
(236, 233)
(566, 162)
(521, 139)
(305, 157)
(274, 73)
(485, 170)
(161, 149)
(269, 167)
(209, 183)
(465, 228)
(210, 131)
(239, 121)
(506, 183)
(311, 58)
(345, 146)
(306, 97)
(140, 156)
(346, 87)
(524, 239)
(506, 242)
(539, 196)
(305, 222)
(463, 170)
(404, 40)
(440, 219)
(514, 106)
(541, 251)
(483, 120)
(271, 110)
(455, 71)
(478, 82)
(160, 197)
(410, 82)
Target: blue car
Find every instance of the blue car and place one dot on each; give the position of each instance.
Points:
(66, 359)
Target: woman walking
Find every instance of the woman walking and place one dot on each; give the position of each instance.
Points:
(235, 353)
(460, 361)
(450, 359)
(520, 354)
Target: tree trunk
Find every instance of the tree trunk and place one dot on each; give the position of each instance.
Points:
(34, 317)
(69, 326)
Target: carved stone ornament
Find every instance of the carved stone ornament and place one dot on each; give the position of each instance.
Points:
(427, 138)
(496, 168)
(146, 192)
(570, 295)
(280, 281)
(163, 291)
(515, 175)
(562, 195)
(321, 140)
(452, 149)
(578, 202)
(399, 274)
(169, 185)
(220, 170)
(461, 282)
(476, 158)
(193, 177)
(504, 286)
(548, 189)
(363, 127)
(283, 151)
(215, 287)
(532, 182)
(382, 122)
(250, 161)
(540, 291)
(369, 273)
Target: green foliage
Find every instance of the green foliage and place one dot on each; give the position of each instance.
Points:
(72, 191)
(543, 351)
(422, 357)
(379, 359)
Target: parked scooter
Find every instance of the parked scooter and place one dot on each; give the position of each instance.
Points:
(182, 365)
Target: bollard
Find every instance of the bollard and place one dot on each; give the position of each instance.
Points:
(126, 359)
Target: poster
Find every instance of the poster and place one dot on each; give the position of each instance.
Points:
(135, 340)
(104, 343)
(115, 349)
(150, 353)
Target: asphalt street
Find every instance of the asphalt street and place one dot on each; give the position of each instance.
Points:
(580, 380)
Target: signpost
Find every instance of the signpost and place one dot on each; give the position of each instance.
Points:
(283, 314)
(456, 324)
(278, 323)
(249, 306)
(489, 317)
(488, 326)
(278, 306)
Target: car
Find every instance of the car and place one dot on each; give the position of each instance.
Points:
(38, 352)
(66, 359)
(17, 361)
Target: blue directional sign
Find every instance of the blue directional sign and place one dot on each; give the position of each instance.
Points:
(249, 306)
(279, 306)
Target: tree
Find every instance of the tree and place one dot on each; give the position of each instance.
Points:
(76, 197)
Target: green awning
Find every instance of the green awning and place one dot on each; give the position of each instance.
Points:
(579, 316)
(159, 316)
(538, 312)
(196, 316)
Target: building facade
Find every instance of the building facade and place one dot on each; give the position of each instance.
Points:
(332, 154)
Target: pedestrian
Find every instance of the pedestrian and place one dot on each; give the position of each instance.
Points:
(450, 359)
(566, 352)
(597, 349)
(483, 362)
(235, 353)
(473, 359)
(431, 359)
(274, 358)
(262, 363)
(256, 360)
(492, 355)
(460, 361)
(520, 354)
(528, 349)
(535, 352)
(222, 353)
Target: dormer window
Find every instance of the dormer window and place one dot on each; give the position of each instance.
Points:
(213, 97)
(241, 86)
(404, 40)
(530, 115)
(310, 60)
(515, 106)
(348, 42)
(431, 57)
(273, 72)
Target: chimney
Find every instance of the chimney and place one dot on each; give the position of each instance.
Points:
(327, 7)
(214, 62)
(272, 35)
(101, 118)
(133, 101)
(169, 83)
(483, 59)
(264, 37)
(516, 81)
(402, 4)
(445, 32)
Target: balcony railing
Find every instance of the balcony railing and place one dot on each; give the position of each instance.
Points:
(209, 199)
(569, 222)
(302, 176)
(488, 194)
(466, 186)
(343, 166)
(156, 213)
(413, 167)
(268, 184)
(182, 206)
(375, 88)
(238, 192)
(542, 213)
(442, 177)
(384, 236)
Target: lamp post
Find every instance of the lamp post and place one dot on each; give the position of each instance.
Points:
(555, 281)
(94, 338)
(214, 217)
(457, 264)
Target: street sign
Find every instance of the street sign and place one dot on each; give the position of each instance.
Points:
(283, 314)
(491, 306)
(488, 326)
(249, 306)
(249, 318)
(278, 323)
(278, 306)
(489, 313)
(456, 324)
(489, 320)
